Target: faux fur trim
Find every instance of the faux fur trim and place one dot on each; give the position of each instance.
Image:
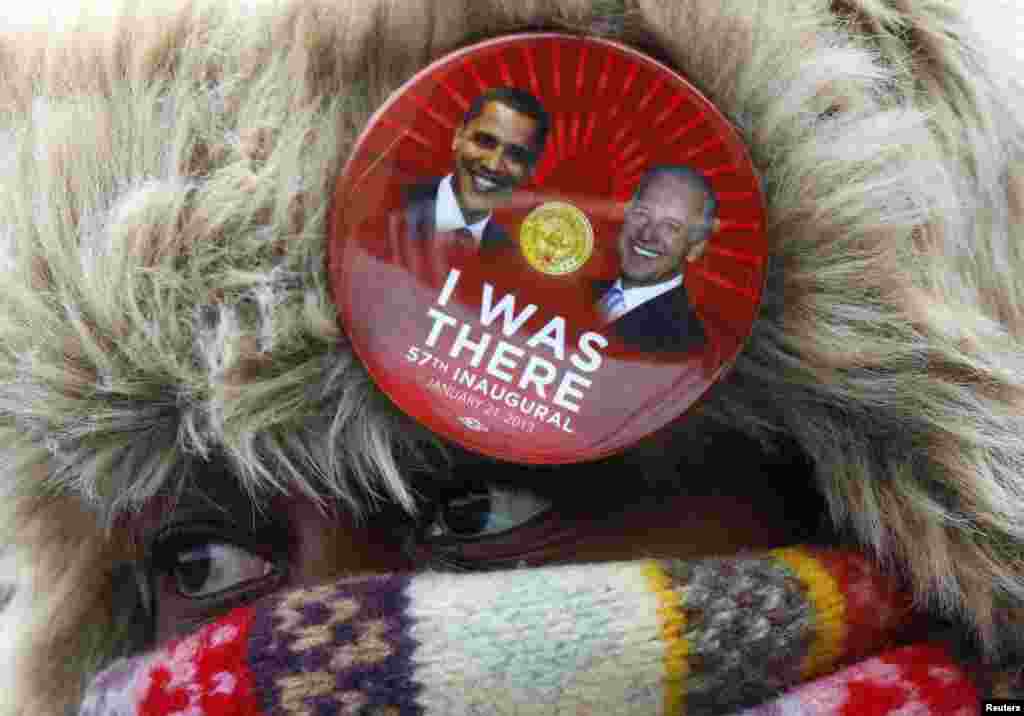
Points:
(162, 213)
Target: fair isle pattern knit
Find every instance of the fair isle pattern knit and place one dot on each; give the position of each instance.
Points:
(747, 627)
(554, 639)
(794, 631)
(199, 674)
(353, 642)
(912, 681)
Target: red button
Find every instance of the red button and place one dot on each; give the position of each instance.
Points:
(547, 247)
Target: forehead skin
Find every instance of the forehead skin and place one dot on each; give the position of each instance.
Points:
(674, 199)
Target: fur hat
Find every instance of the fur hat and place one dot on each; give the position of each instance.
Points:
(163, 214)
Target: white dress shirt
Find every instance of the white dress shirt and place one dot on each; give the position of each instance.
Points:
(448, 216)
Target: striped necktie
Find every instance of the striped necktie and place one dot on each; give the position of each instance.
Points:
(613, 303)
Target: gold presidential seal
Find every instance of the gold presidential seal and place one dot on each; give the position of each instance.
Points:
(556, 238)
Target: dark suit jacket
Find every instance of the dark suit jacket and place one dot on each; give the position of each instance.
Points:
(420, 201)
(665, 323)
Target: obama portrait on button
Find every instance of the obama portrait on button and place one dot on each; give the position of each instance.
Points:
(494, 150)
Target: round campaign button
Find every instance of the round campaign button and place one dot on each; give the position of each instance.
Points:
(547, 247)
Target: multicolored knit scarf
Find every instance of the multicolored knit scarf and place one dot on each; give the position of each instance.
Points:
(792, 631)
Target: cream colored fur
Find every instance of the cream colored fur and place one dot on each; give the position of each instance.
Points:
(163, 201)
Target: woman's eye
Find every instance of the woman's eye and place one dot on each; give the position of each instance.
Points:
(207, 569)
(484, 511)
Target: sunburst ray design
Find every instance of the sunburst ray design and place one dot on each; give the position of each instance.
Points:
(407, 132)
(580, 69)
(631, 181)
(377, 160)
(649, 95)
(625, 185)
(720, 280)
(628, 150)
(531, 68)
(621, 134)
(721, 169)
(574, 134)
(634, 70)
(677, 99)
(475, 74)
(743, 257)
(457, 96)
(704, 147)
(589, 134)
(726, 196)
(606, 72)
(556, 66)
(634, 167)
(729, 225)
(560, 136)
(424, 106)
(506, 75)
(685, 129)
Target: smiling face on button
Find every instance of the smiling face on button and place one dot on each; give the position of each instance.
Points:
(494, 153)
(661, 231)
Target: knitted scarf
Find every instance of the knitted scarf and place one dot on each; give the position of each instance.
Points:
(791, 631)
